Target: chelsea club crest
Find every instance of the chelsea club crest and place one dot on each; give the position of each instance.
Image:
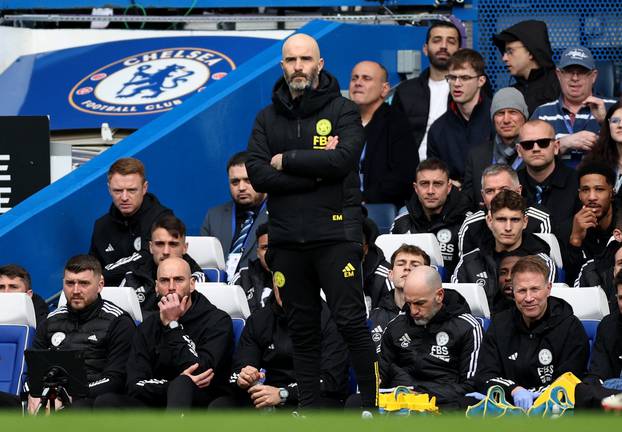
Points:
(149, 82)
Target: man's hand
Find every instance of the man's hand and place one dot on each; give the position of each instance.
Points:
(201, 380)
(277, 162)
(583, 220)
(523, 398)
(171, 309)
(583, 140)
(33, 404)
(248, 377)
(597, 107)
(264, 396)
(332, 143)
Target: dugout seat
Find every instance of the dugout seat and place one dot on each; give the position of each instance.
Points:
(426, 241)
(208, 253)
(124, 297)
(238, 326)
(382, 215)
(588, 303)
(17, 308)
(14, 340)
(475, 296)
(556, 254)
(228, 298)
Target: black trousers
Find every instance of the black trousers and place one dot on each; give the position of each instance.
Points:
(336, 269)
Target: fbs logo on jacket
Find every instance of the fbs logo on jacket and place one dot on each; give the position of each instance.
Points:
(323, 128)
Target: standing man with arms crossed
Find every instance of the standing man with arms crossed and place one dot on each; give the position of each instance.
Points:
(304, 152)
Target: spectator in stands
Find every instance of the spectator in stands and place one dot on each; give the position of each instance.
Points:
(256, 278)
(432, 346)
(527, 53)
(607, 148)
(593, 224)
(435, 208)
(389, 153)
(375, 266)
(508, 112)
(530, 345)
(263, 368)
(89, 324)
(602, 270)
(15, 278)
(466, 123)
(505, 274)
(544, 180)
(495, 178)
(180, 358)
(120, 237)
(506, 220)
(168, 239)
(576, 115)
(234, 223)
(425, 98)
(404, 259)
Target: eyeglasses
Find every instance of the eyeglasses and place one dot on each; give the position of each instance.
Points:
(615, 120)
(542, 143)
(578, 72)
(463, 78)
(510, 51)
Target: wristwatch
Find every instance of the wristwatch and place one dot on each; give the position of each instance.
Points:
(283, 394)
(173, 325)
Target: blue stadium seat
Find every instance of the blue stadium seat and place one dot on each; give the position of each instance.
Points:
(238, 326)
(590, 327)
(485, 322)
(383, 215)
(605, 82)
(215, 274)
(14, 339)
(208, 253)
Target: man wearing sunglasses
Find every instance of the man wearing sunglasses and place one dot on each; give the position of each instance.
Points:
(577, 115)
(544, 181)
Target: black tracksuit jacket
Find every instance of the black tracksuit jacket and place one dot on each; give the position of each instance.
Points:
(316, 197)
(160, 354)
(514, 355)
(606, 360)
(118, 241)
(599, 272)
(253, 279)
(265, 344)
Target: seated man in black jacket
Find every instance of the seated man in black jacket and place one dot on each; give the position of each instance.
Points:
(263, 370)
(180, 358)
(507, 222)
(531, 344)
(431, 345)
(168, 239)
(90, 324)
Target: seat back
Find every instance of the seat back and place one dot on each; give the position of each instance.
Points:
(588, 303)
(123, 297)
(556, 254)
(238, 326)
(389, 243)
(605, 81)
(17, 308)
(382, 215)
(208, 253)
(14, 339)
(228, 298)
(590, 326)
(475, 296)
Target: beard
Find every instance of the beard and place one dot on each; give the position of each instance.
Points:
(439, 63)
(310, 80)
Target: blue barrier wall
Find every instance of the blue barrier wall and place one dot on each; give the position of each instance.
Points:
(184, 151)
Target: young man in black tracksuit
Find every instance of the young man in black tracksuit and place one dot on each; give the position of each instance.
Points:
(531, 344)
(263, 370)
(255, 278)
(507, 222)
(304, 152)
(181, 357)
(121, 237)
(431, 345)
(87, 323)
(168, 239)
(435, 208)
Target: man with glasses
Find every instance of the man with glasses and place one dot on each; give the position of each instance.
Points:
(435, 207)
(545, 181)
(466, 123)
(527, 54)
(576, 115)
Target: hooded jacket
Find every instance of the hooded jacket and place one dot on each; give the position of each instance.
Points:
(606, 359)
(265, 344)
(481, 267)
(160, 354)
(533, 357)
(437, 358)
(444, 226)
(542, 85)
(599, 272)
(316, 196)
(254, 280)
(120, 243)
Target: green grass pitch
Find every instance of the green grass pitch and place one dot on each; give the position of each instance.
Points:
(316, 422)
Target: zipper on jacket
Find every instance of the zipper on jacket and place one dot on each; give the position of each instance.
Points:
(298, 128)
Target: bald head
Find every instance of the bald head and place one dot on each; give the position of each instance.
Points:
(301, 41)
(174, 277)
(301, 63)
(179, 264)
(423, 293)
